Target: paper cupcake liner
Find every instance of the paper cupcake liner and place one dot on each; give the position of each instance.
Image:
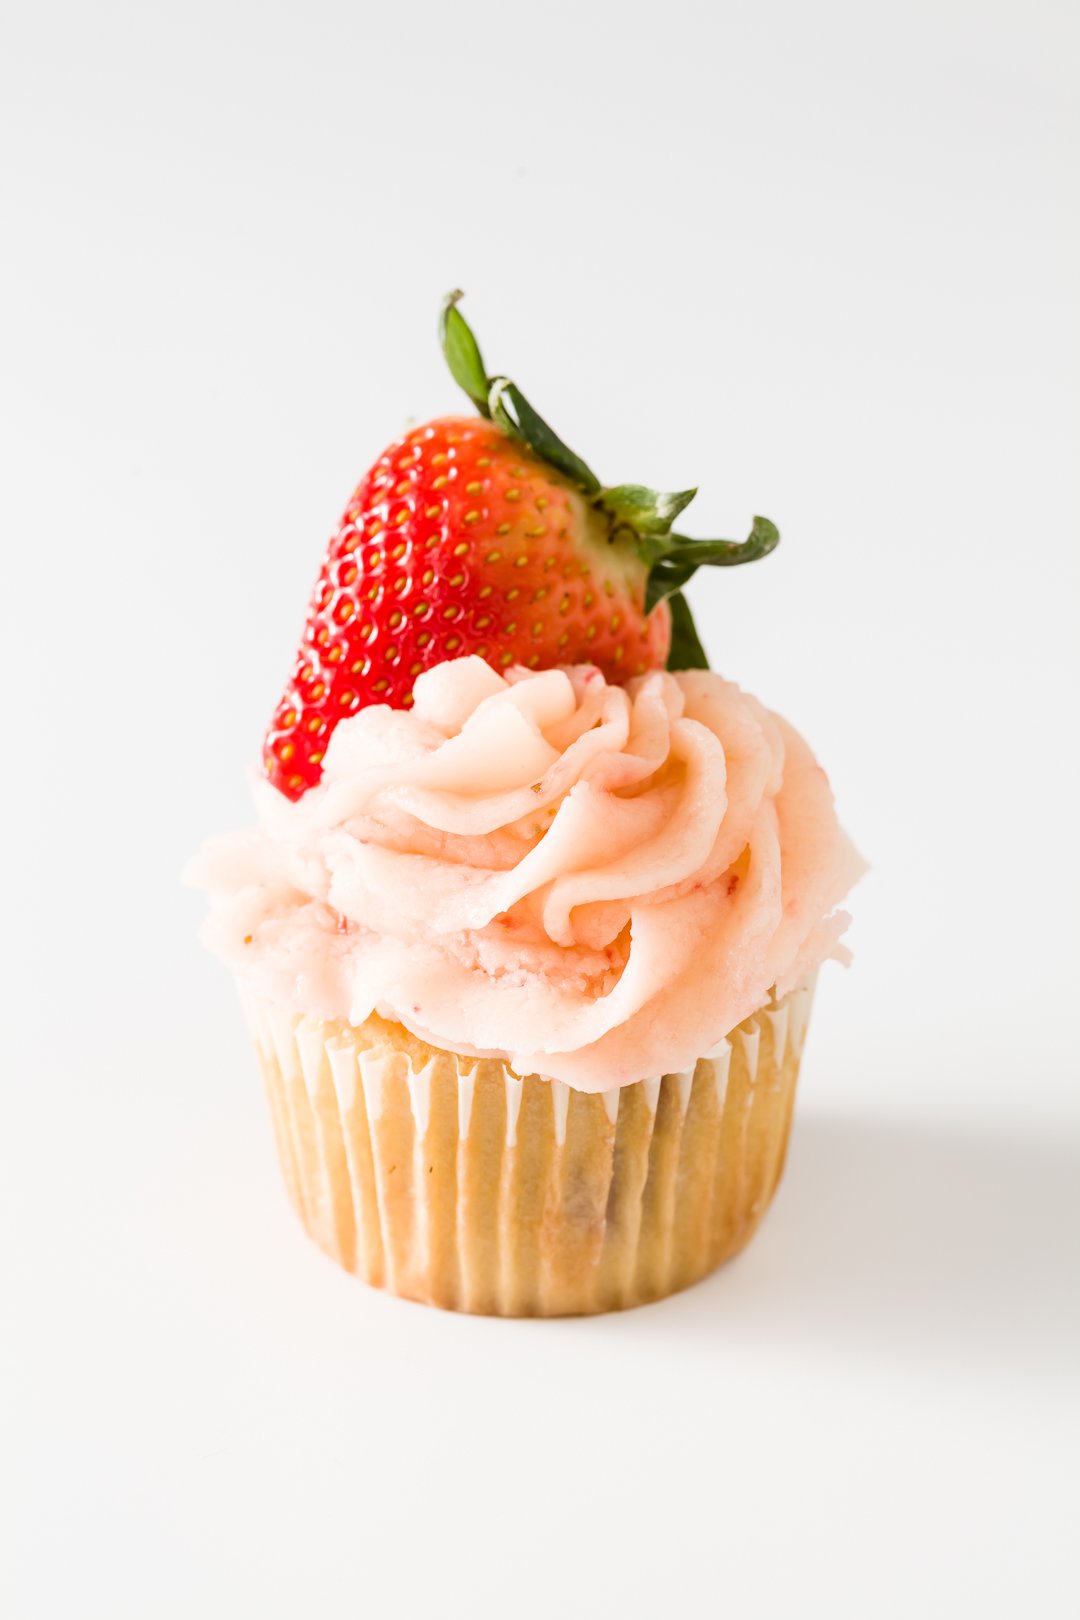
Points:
(456, 1182)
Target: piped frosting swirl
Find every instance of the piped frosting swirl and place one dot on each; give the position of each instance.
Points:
(591, 882)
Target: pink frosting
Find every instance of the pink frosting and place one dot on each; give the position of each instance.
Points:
(591, 882)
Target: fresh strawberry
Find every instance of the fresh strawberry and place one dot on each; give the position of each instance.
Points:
(487, 535)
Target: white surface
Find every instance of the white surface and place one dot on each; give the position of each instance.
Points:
(821, 259)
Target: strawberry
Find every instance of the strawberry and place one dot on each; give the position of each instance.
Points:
(487, 535)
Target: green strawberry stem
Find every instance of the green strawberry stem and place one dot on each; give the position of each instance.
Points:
(643, 516)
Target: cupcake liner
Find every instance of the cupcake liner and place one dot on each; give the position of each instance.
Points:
(456, 1182)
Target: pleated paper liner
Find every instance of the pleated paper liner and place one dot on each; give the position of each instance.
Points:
(453, 1181)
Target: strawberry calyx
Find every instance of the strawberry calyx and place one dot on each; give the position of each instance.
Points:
(635, 515)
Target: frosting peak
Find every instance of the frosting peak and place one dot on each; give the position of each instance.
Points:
(588, 881)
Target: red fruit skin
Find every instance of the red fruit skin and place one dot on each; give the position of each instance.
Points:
(458, 540)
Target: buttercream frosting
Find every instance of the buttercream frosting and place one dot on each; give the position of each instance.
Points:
(590, 882)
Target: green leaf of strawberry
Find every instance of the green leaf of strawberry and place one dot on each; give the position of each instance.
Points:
(508, 406)
(681, 558)
(632, 511)
(646, 511)
(463, 353)
(686, 649)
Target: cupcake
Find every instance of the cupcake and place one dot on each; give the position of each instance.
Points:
(528, 925)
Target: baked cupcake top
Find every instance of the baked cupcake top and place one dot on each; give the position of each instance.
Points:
(504, 801)
(589, 881)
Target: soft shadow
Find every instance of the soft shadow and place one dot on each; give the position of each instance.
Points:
(929, 1246)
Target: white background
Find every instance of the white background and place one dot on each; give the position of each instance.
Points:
(823, 261)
